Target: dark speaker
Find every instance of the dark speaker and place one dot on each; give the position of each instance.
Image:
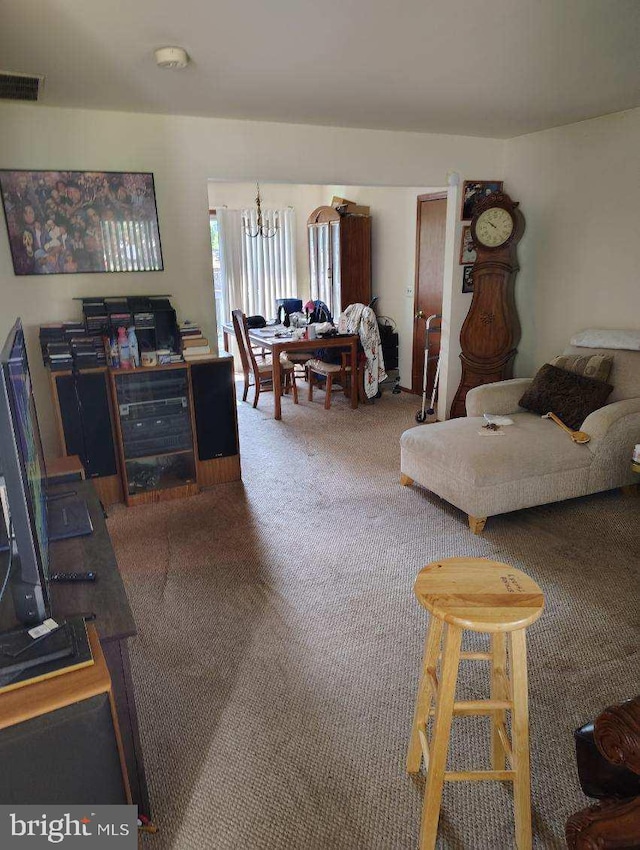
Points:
(166, 334)
(86, 421)
(214, 402)
(70, 413)
(390, 349)
(66, 756)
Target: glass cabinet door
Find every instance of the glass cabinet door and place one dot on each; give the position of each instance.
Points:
(335, 304)
(155, 423)
(324, 264)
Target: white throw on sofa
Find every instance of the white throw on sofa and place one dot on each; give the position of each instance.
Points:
(535, 462)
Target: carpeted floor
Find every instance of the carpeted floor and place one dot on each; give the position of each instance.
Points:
(279, 641)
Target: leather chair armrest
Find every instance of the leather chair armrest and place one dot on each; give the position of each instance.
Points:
(616, 732)
(598, 776)
(598, 423)
(501, 397)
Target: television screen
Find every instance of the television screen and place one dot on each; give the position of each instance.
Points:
(23, 468)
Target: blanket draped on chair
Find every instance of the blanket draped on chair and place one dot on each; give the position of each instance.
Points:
(360, 319)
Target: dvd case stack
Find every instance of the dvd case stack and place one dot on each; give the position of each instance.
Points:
(59, 357)
(88, 353)
(50, 334)
(96, 317)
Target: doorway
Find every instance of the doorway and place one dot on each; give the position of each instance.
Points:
(430, 250)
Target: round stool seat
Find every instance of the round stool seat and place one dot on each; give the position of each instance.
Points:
(479, 594)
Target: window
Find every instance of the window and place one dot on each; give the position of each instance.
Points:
(217, 276)
(254, 272)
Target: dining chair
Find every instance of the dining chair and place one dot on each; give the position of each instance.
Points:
(262, 372)
(340, 372)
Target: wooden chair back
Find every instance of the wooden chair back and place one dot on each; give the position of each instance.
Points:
(241, 330)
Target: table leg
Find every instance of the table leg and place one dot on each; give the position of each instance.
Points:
(277, 383)
(354, 373)
(225, 341)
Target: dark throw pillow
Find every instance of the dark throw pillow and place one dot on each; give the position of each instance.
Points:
(571, 397)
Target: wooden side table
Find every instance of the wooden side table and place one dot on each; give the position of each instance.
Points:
(37, 723)
(70, 465)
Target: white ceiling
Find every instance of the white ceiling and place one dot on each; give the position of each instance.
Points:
(497, 68)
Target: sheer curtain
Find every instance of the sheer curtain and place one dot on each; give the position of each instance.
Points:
(255, 272)
(230, 248)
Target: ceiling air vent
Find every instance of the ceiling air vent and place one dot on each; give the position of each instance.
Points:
(19, 86)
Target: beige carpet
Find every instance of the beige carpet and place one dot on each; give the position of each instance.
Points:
(279, 641)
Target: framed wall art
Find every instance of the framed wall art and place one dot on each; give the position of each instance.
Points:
(72, 222)
(467, 279)
(473, 191)
(467, 248)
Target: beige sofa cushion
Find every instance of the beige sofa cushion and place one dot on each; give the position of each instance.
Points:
(530, 447)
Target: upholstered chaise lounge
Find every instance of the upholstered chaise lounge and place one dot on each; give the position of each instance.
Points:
(534, 462)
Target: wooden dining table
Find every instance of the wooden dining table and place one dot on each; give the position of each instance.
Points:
(266, 338)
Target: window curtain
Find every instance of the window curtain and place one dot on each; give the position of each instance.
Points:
(255, 272)
(230, 247)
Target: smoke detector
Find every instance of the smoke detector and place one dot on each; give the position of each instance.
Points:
(172, 57)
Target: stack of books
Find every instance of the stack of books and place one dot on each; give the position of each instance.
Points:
(194, 345)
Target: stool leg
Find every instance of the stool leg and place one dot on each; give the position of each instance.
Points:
(440, 738)
(520, 736)
(498, 691)
(423, 699)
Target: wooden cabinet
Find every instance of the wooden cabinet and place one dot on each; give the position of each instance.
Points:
(155, 433)
(151, 434)
(339, 258)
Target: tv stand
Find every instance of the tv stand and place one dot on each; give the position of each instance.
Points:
(114, 622)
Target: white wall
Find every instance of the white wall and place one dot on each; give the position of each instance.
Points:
(183, 153)
(578, 188)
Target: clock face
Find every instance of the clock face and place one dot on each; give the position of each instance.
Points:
(493, 227)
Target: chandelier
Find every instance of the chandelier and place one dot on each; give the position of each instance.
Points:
(261, 227)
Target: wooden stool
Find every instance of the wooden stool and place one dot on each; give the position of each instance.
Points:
(483, 596)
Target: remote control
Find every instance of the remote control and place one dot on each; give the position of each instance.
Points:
(68, 577)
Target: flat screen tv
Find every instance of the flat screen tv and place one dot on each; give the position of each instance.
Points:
(23, 469)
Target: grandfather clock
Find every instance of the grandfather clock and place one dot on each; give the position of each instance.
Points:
(491, 331)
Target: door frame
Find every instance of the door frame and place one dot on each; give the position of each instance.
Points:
(442, 195)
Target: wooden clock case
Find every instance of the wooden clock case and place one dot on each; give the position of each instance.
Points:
(491, 331)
